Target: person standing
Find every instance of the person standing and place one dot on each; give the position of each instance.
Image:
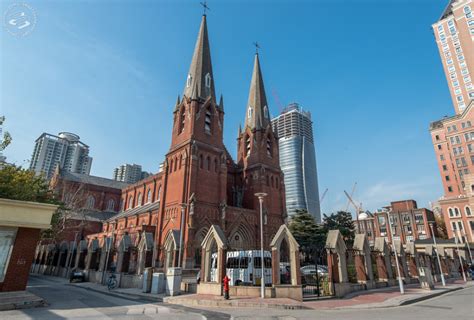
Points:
(226, 287)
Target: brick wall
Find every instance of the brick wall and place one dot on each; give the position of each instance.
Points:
(20, 260)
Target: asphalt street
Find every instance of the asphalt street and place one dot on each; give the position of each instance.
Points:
(458, 305)
(70, 302)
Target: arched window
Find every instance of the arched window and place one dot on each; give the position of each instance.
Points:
(130, 202)
(111, 205)
(90, 202)
(451, 212)
(216, 165)
(249, 112)
(247, 146)
(175, 164)
(457, 213)
(273, 182)
(182, 119)
(467, 209)
(171, 166)
(158, 197)
(123, 204)
(467, 9)
(208, 163)
(201, 164)
(180, 161)
(148, 196)
(265, 111)
(268, 181)
(207, 121)
(208, 80)
(269, 146)
(139, 200)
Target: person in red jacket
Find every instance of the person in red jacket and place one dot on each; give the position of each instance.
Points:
(226, 287)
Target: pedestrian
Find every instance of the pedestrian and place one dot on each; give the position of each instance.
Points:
(226, 287)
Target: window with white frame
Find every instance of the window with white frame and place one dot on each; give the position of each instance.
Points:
(130, 202)
(468, 211)
(457, 213)
(451, 212)
(7, 240)
(139, 202)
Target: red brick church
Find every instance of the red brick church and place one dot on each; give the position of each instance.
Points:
(200, 184)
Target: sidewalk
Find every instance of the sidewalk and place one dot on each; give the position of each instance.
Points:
(129, 293)
(379, 298)
(19, 300)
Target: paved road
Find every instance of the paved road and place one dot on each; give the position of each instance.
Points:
(70, 302)
(458, 305)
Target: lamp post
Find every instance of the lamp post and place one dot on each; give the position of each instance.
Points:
(181, 234)
(437, 256)
(260, 196)
(400, 281)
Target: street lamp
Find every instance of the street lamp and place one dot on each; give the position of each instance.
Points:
(400, 282)
(437, 256)
(181, 233)
(260, 196)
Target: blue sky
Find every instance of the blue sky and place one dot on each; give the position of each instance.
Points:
(110, 71)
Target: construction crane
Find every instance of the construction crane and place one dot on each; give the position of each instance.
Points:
(324, 195)
(352, 194)
(358, 208)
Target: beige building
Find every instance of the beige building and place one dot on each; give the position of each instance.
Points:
(454, 33)
(453, 137)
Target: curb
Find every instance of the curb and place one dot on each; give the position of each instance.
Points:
(120, 295)
(233, 304)
(434, 295)
(400, 304)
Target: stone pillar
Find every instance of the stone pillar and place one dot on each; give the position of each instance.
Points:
(333, 267)
(221, 260)
(275, 267)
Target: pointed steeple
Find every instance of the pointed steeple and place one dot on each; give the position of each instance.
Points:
(200, 77)
(221, 103)
(257, 116)
(178, 101)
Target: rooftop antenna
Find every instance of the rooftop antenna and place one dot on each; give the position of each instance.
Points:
(205, 7)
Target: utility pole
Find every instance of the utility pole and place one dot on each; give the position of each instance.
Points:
(260, 196)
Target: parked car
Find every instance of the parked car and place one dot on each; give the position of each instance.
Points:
(78, 275)
(311, 269)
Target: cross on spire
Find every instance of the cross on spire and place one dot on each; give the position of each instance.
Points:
(205, 7)
(257, 46)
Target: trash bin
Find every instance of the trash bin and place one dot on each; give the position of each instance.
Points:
(147, 276)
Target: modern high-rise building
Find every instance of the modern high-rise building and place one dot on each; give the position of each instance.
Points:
(453, 137)
(65, 151)
(454, 34)
(130, 173)
(298, 160)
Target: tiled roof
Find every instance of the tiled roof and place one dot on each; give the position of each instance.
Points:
(99, 181)
(137, 210)
(91, 215)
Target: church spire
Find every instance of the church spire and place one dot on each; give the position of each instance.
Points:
(200, 77)
(257, 116)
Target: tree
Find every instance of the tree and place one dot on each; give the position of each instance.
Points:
(17, 183)
(441, 226)
(341, 221)
(306, 231)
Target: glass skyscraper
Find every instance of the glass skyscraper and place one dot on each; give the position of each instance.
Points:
(298, 160)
